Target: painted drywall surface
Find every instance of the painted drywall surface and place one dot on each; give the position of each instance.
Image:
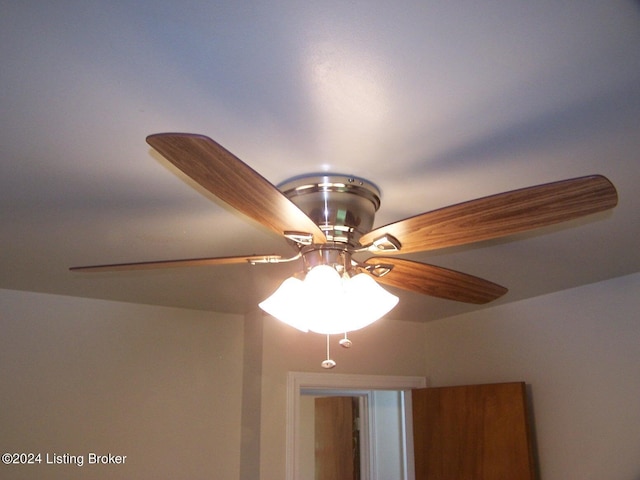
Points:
(384, 348)
(579, 350)
(251, 397)
(162, 386)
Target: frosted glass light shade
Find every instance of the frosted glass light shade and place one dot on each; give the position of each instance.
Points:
(327, 303)
(369, 300)
(284, 304)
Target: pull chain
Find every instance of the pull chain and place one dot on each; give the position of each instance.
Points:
(345, 342)
(328, 363)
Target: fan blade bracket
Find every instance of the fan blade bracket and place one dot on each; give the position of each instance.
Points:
(386, 243)
(379, 270)
(301, 238)
(267, 259)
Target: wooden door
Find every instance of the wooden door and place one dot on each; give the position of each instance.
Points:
(477, 432)
(336, 439)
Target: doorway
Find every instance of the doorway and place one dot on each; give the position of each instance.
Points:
(378, 430)
(364, 387)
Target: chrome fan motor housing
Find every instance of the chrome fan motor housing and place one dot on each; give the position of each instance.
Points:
(343, 206)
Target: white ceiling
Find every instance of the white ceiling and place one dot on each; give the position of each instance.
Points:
(436, 102)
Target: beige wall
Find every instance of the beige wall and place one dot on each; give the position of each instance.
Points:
(181, 394)
(162, 386)
(579, 350)
(385, 348)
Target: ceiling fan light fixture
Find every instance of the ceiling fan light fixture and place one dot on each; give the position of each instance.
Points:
(327, 302)
(329, 217)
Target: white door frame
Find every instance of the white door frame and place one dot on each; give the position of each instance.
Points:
(298, 381)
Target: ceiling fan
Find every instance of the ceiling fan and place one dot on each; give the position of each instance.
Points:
(328, 219)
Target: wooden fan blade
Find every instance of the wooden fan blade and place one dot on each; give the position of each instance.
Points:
(191, 262)
(500, 215)
(233, 181)
(436, 281)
